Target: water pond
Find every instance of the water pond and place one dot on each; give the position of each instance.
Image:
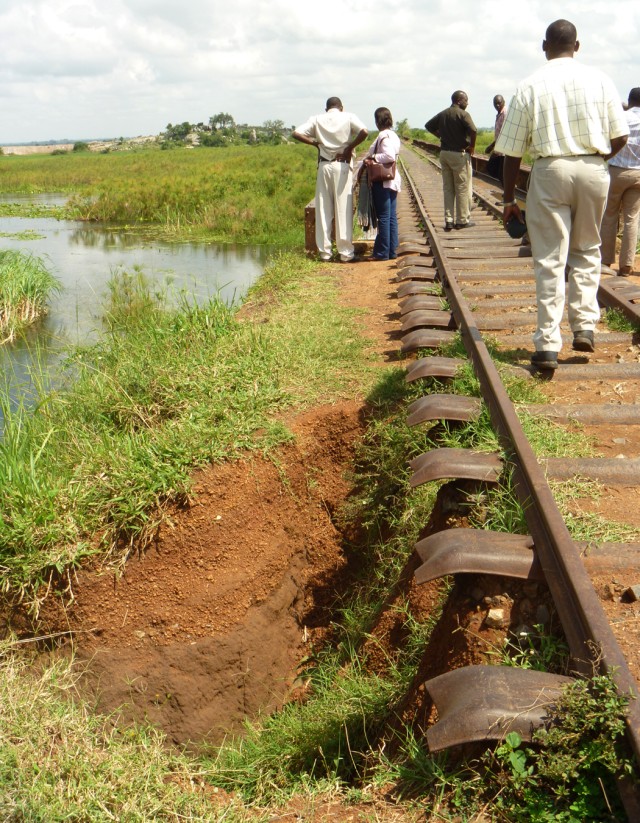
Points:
(85, 257)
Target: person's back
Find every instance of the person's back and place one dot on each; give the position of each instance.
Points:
(566, 108)
(333, 132)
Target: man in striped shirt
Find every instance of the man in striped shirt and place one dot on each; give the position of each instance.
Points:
(624, 193)
(570, 119)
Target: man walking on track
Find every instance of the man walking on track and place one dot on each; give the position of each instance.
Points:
(570, 119)
(335, 134)
(624, 195)
(457, 134)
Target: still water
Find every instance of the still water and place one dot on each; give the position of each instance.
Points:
(85, 257)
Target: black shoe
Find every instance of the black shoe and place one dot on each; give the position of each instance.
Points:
(467, 225)
(583, 340)
(546, 360)
(448, 226)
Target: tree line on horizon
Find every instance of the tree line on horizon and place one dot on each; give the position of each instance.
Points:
(222, 130)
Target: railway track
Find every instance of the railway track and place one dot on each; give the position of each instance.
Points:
(486, 279)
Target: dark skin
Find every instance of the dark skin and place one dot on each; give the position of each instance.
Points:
(498, 105)
(346, 153)
(512, 164)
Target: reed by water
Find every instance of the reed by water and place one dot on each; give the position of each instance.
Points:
(25, 287)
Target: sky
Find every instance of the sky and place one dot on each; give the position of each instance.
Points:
(89, 69)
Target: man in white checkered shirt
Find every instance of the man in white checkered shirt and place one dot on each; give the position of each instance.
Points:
(570, 119)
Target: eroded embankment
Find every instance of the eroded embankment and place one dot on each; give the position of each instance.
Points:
(209, 626)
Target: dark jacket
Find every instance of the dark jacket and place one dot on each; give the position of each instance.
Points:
(454, 127)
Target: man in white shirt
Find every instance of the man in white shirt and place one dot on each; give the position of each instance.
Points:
(335, 134)
(570, 119)
(624, 194)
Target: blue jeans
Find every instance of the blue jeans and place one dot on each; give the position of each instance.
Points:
(386, 243)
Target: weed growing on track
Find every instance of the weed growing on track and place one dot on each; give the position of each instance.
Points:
(616, 320)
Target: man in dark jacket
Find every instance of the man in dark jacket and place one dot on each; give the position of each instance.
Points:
(457, 134)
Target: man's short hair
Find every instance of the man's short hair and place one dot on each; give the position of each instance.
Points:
(334, 103)
(561, 33)
(457, 96)
(634, 96)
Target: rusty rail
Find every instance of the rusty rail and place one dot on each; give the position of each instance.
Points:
(557, 557)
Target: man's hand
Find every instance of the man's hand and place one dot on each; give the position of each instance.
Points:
(511, 211)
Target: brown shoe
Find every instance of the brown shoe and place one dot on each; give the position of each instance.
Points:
(625, 271)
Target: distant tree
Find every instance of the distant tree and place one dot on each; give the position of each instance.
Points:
(403, 129)
(222, 120)
(80, 146)
(274, 129)
(177, 133)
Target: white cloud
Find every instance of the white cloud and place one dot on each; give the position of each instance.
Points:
(80, 68)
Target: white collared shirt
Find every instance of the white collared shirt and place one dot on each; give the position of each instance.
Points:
(333, 130)
(563, 109)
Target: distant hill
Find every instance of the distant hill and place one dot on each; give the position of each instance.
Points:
(94, 145)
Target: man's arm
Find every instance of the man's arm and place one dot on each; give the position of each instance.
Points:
(510, 176)
(346, 153)
(617, 143)
(310, 141)
(432, 126)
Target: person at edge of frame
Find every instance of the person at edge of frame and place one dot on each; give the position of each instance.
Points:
(624, 195)
(570, 119)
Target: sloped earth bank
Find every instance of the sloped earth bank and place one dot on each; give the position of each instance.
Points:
(211, 624)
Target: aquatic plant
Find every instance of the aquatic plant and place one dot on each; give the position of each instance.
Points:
(25, 287)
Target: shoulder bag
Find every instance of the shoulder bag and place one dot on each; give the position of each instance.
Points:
(379, 172)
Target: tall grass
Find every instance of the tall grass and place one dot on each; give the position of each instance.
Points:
(93, 468)
(240, 194)
(25, 287)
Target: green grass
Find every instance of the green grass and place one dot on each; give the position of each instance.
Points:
(93, 468)
(218, 195)
(61, 761)
(25, 287)
(616, 320)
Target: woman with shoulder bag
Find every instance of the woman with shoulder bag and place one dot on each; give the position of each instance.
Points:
(384, 152)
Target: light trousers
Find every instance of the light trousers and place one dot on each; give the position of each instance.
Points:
(624, 193)
(565, 204)
(334, 202)
(456, 180)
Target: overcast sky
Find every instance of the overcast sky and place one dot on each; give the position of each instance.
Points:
(82, 69)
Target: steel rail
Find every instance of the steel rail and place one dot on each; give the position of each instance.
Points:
(589, 635)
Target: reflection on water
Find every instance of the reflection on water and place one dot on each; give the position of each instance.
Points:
(84, 258)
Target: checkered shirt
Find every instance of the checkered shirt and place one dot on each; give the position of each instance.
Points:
(563, 109)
